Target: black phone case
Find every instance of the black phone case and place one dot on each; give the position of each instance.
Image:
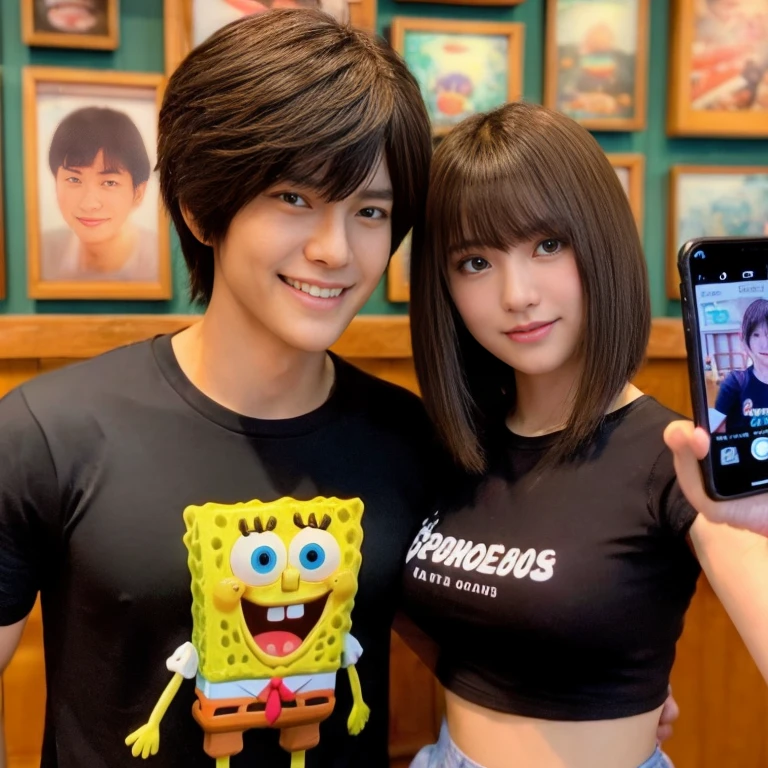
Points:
(694, 353)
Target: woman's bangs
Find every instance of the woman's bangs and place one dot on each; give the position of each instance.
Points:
(499, 214)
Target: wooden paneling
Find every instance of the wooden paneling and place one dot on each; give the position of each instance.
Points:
(723, 699)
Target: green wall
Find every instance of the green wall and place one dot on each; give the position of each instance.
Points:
(142, 50)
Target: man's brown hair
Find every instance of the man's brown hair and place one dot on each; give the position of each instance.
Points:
(287, 95)
(501, 178)
(755, 317)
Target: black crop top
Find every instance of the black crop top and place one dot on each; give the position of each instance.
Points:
(561, 594)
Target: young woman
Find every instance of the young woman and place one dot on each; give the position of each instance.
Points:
(556, 581)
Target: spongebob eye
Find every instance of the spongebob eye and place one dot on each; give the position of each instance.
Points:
(258, 559)
(315, 553)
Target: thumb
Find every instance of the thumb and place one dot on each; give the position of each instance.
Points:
(688, 445)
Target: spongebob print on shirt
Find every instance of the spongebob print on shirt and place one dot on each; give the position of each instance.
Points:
(273, 587)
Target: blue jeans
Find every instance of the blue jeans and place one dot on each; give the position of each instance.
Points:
(445, 754)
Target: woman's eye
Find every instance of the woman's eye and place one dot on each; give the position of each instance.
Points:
(473, 265)
(548, 247)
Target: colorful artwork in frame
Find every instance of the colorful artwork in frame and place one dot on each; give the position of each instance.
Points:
(189, 22)
(596, 64)
(462, 67)
(398, 273)
(714, 201)
(719, 68)
(630, 169)
(95, 226)
(72, 24)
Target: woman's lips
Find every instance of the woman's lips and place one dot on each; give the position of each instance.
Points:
(91, 222)
(531, 333)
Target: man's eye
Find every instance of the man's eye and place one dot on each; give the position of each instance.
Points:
(373, 213)
(292, 199)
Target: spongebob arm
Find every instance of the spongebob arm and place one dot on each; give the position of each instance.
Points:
(145, 741)
(360, 713)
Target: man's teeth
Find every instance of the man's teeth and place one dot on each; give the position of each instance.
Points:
(278, 613)
(314, 290)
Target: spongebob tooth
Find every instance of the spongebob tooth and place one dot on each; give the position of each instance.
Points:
(276, 614)
(295, 611)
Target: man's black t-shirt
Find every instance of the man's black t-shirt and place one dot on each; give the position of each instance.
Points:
(98, 462)
(743, 398)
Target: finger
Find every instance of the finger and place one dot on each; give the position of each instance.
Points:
(685, 443)
(663, 732)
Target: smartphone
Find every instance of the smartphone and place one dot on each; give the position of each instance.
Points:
(724, 292)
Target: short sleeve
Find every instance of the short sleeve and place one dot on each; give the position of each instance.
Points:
(352, 651)
(29, 500)
(728, 394)
(668, 503)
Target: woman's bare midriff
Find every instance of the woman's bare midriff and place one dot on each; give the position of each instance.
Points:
(498, 740)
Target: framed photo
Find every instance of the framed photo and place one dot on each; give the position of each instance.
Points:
(95, 226)
(630, 168)
(718, 68)
(597, 62)
(714, 201)
(71, 24)
(2, 203)
(462, 67)
(189, 22)
(398, 273)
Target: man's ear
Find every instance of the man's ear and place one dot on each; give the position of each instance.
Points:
(191, 222)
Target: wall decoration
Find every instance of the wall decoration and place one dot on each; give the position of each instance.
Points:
(398, 273)
(714, 201)
(71, 24)
(462, 67)
(95, 227)
(630, 168)
(718, 68)
(596, 62)
(2, 202)
(189, 22)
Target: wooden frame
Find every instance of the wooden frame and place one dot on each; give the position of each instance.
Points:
(514, 33)
(685, 119)
(3, 265)
(675, 239)
(635, 166)
(178, 19)
(398, 281)
(152, 247)
(481, 3)
(553, 65)
(109, 40)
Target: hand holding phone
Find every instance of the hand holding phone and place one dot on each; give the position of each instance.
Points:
(724, 289)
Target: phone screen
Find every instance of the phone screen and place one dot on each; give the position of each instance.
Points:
(730, 320)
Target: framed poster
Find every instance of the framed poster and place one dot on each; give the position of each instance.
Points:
(95, 226)
(597, 62)
(71, 24)
(3, 266)
(462, 67)
(630, 168)
(714, 201)
(398, 273)
(189, 22)
(719, 68)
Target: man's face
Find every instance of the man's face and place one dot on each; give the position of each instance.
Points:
(95, 201)
(302, 267)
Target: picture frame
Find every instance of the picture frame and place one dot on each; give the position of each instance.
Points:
(3, 265)
(398, 273)
(482, 3)
(630, 168)
(718, 84)
(95, 225)
(184, 29)
(596, 62)
(91, 24)
(713, 201)
(443, 55)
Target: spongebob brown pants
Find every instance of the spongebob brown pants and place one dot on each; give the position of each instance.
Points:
(225, 720)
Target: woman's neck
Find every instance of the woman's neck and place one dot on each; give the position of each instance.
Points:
(241, 365)
(543, 404)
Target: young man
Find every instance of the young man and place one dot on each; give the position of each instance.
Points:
(293, 158)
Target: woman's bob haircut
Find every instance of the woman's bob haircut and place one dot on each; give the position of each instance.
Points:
(518, 173)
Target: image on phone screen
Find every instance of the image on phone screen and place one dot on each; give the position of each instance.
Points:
(731, 306)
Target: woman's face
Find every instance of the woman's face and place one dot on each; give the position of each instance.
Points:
(524, 305)
(96, 201)
(757, 345)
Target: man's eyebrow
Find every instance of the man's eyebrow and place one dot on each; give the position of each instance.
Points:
(109, 171)
(71, 169)
(373, 193)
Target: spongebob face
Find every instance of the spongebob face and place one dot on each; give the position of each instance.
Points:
(273, 585)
